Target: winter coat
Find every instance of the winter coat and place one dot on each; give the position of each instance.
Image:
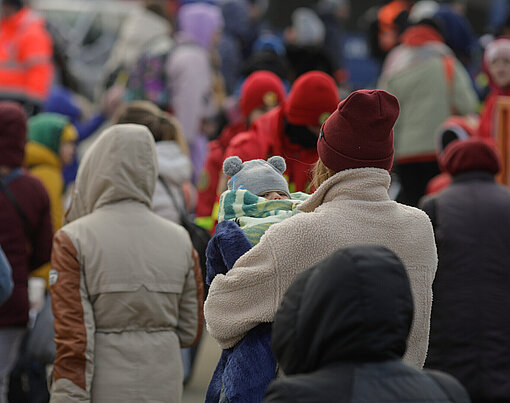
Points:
(190, 80)
(488, 116)
(351, 207)
(126, 284)
(469, 327)
(339, 335)
(26, 70)
(24, 252)
(430, 83)
(265, 138)
(45, 165)
(25, 248)
(212, 170)
(174, 169)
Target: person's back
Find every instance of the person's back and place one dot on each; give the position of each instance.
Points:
(339, 336)
(131, 278)
(350, 206)
(173, 192)
(25, 232)
(469, 332)
(27, 70)
(431, 85)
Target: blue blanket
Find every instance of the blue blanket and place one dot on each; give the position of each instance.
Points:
(245, 370)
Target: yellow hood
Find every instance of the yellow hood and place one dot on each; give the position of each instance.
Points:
(38, 154)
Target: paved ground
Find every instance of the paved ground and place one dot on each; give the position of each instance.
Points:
(208, 356)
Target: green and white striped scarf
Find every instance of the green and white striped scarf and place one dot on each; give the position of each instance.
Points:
(255, 214)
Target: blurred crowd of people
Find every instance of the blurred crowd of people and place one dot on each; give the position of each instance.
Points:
(357, 235)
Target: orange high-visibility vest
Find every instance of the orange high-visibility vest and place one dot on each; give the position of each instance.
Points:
(26, 69)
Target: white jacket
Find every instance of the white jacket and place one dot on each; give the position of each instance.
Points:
(350, 208)
(174, 169)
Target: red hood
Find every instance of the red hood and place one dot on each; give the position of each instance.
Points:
(419, 35)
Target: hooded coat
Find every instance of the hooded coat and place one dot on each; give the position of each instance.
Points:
(24, 252)
(341, 331)
(350, 208)
(126, 284)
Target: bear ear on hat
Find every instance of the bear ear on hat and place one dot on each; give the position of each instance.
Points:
(278, 163)
(232, 165)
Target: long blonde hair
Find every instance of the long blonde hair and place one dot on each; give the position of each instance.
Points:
(163, 126)
(320, 173)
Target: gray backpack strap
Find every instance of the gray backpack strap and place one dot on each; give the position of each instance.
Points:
(449, 385)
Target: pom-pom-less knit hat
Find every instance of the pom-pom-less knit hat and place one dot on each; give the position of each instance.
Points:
(359, 134)
(470, 155)
(256, 176)
(261, 88)
(312, 98)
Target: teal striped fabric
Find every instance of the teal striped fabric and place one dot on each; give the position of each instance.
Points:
(255, 214)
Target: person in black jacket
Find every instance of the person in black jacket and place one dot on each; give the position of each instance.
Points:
(470, 329)
(341, 330)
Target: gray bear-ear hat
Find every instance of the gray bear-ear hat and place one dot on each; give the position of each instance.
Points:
(256, 176)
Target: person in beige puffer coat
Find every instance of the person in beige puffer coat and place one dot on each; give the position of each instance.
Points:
(126, 285)
(351, 206)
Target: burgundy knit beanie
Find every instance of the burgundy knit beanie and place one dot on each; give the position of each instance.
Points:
(13, 122)
(312, 98)
(359, 134)
(473, 154)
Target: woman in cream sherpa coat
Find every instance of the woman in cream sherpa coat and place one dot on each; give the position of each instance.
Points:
(351, 206)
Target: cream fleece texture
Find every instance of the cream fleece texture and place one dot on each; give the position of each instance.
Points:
(350, 208)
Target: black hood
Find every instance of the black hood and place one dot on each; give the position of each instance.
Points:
(355, 305)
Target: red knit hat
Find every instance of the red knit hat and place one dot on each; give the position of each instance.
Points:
(261, 88)
(313, 97)
(13, 122)
(473, 154)
(359, 134)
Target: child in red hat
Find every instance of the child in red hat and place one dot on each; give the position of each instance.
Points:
(261, 92)
(292, 129)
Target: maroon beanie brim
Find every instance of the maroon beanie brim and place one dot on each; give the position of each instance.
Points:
(340, 162)
(470, 155)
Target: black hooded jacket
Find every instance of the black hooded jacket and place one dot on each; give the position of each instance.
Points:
(341, 331)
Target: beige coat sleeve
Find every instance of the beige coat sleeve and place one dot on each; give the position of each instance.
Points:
(464, 96)
(246, 296)
(191, 313)
(74, 325)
